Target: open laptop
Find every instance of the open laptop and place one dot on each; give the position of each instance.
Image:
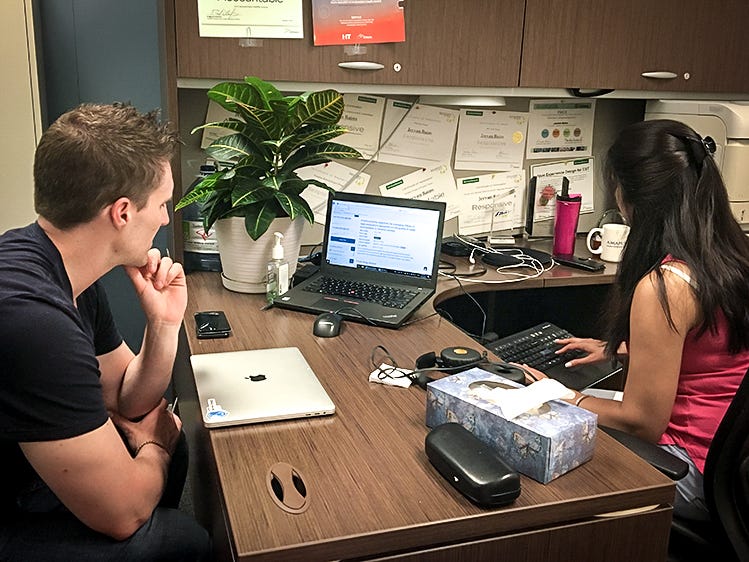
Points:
(259, 385)
(379, 260)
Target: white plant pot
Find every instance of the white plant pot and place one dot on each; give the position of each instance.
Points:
(244, 261)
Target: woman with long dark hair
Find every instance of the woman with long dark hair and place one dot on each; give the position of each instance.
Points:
(679, 309)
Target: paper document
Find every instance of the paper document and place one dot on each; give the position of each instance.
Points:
(549, 183)
(350, 22)
(426, 136)
(490, 140)
(427, 184)
(248, 20)
(395, 111)
(560, 128)
(491, 202)
(362, 117)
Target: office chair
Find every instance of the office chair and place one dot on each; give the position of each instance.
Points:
(726, 482)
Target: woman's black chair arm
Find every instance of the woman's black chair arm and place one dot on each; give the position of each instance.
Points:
(668, 464)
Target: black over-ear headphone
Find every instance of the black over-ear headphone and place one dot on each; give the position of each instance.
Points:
(456, 359)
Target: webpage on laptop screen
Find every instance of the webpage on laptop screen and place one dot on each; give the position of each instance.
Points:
(382, 238)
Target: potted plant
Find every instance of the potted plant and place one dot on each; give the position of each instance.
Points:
(257, 191)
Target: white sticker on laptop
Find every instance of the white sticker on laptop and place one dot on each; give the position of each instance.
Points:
(214, 410)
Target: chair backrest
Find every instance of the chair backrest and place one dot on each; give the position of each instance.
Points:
(726, 477)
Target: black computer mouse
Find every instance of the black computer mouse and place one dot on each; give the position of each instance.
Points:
(512, 372)
(327, 325)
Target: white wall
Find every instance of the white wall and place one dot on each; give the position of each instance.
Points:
(20, 113)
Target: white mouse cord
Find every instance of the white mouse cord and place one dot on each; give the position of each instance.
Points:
(537, 267)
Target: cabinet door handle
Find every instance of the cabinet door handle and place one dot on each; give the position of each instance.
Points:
(361, 65)
(661, 75)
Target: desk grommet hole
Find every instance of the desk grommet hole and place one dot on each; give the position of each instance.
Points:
(287, 488)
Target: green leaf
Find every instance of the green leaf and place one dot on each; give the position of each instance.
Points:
(280, 109)
(190, 198)
(340, 151)
(230, 147)
(309, 136)
(201, 191)
(294, 205)
(250, 169)
(230, 124)
(313, 155)
(229, 94)
(263, 122)
(217, 207)
(246, 196)
(266, 90)
(258, 218)
(293, 185)
(320, 184)
(322, 108)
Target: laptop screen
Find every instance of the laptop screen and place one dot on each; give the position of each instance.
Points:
(382, 237)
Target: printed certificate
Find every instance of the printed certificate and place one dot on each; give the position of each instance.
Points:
(425, 137)
(490, 140)
(491, 202)
(560, 128)
(427, 184)
(352, 22)
(251, 18)
(362, 117)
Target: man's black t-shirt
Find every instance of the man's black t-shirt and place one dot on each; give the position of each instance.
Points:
(49, 372)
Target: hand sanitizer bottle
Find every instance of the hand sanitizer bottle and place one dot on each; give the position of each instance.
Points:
(278, 271)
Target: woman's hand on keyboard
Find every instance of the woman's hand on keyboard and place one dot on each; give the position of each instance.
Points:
(595, 350)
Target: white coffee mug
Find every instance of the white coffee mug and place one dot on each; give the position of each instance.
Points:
(613, 238)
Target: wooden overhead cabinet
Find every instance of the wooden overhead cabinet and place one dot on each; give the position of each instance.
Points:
(661, 45)
(448, 43)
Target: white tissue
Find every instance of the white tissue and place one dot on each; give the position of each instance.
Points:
(402, 381)
(515, 401)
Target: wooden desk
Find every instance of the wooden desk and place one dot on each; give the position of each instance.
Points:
(373, 493)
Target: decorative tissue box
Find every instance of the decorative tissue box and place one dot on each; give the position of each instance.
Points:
(542, 443)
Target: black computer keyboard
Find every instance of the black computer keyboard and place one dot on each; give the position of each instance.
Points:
(535, 347)
(379, 294)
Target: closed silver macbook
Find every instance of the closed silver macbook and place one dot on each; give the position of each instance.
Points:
(259, 385)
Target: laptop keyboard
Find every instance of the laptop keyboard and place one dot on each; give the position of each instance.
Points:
(535, 347)
(378, 294)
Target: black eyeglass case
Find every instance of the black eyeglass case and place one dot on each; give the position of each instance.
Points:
(473, 468)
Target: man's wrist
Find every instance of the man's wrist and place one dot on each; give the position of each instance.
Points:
(151, 442)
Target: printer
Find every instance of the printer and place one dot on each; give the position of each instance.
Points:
(727, 122)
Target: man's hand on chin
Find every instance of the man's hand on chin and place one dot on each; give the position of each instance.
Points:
(161, 288)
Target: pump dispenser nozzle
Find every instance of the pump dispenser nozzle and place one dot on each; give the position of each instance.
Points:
(277, 251)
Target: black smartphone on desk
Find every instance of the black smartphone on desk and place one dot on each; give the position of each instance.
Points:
(212, 324)
(586, 264)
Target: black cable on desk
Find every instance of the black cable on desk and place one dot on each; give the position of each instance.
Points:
(483, 313)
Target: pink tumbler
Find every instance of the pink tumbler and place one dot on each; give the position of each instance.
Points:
(565, 223)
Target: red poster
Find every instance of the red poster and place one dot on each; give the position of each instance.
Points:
(351, 22)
